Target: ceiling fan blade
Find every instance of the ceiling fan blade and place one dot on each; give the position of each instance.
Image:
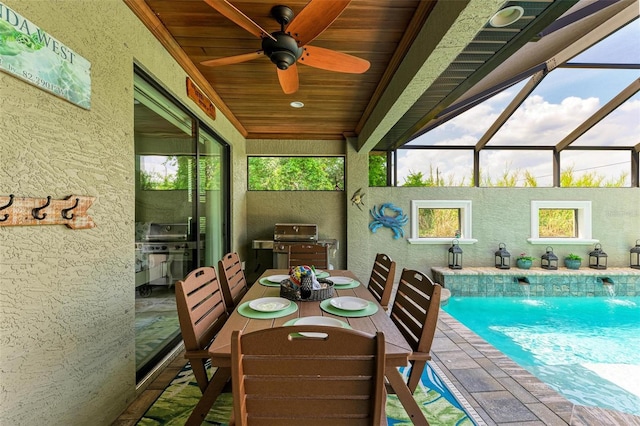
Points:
(288, 79)
(326, 59)
(315, 18)
(232, 59)
(234, 14)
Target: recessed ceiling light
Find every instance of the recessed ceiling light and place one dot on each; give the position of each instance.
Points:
(296, 104)
(506, 16)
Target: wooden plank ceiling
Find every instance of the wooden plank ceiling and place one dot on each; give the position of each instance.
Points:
(336, 104)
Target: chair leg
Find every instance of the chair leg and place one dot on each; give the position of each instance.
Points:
(217, 383)
(200, 372)
(410, 405)
(417, 367)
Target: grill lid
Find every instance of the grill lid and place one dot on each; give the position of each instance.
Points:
(167, 232)
(295, 232)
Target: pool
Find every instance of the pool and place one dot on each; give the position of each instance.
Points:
(586, 348)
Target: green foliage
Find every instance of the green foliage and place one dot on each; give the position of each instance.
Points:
(438, 223)
(572, 256)
(418, 179)
(377, 169)
(296, 173)
(179, 173)
(557, 223)
(589, 179)
(523, 256)
(514, 178)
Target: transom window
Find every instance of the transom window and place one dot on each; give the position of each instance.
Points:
(296, 173)
(440, 221)
(559, 222)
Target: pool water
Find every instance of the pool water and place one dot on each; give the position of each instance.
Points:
(586, 348)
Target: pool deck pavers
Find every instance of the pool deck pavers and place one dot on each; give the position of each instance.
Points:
(500, 392)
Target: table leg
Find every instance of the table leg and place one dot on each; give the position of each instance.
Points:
(405, 397)
(216, 384)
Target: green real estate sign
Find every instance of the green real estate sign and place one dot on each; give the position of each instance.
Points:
(29, 53)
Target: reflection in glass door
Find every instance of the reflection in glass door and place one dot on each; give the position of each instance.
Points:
(180, 214)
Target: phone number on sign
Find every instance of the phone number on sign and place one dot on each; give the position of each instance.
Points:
(39, 81)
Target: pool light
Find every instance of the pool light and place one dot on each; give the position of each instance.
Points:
(549, 260)
(634, 256)
(455, 255)
(598, 258)
(503, 257)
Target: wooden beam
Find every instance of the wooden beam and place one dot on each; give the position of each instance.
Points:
(151, 21)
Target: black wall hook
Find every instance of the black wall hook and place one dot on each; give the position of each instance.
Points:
(35, 212)
(6, 215)
(65, 212)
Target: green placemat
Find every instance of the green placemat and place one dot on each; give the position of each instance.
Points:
(266, 282)
(353, 284)
(323, 274)
(371, 309)
(246, 311)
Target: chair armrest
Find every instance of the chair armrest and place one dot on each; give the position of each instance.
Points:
(420, 356)
(199, 354)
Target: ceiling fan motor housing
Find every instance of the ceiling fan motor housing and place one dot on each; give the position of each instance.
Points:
(283, 52)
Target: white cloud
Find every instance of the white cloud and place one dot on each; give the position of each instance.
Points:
(537, 123)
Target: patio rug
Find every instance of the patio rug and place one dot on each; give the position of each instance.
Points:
(177, 401)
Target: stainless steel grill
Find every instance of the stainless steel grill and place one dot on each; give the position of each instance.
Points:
(286, 234)
(163, 255)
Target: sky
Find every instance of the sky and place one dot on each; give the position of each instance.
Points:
(561, 102)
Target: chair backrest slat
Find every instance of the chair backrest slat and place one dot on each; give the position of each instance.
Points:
(381, 280)
(232, 279)
(282, 377)
(415, 312)
(316, 255)
(202, 313)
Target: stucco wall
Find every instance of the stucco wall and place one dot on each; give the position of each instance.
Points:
(265, 208)
(67, 297)
(499, 215)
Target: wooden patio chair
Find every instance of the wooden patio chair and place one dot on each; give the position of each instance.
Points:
(415, 312)
(202, 313)
(232, 280)
(280, 377)
(316, 255)
(381, 280)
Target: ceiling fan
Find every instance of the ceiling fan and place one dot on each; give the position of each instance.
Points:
(285, 48)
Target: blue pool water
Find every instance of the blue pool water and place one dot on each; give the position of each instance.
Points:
(586, 348)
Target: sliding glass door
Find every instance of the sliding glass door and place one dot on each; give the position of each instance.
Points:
(181, 212)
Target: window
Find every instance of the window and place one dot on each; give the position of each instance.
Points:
(561, 222)
(441, 221)
(296, 173)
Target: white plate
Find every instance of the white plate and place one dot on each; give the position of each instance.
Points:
(318, 320)
(269, 304)
(348, 303)
(341, 280)
(277, 278)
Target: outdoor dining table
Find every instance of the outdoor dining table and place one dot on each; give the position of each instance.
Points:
(396, 354)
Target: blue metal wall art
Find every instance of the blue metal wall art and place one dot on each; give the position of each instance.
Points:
(394, 222)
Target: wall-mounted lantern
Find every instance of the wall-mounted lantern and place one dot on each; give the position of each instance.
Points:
(634, 256)
(598, 258)
(503, 257)
(549, 260)
(455, 255)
